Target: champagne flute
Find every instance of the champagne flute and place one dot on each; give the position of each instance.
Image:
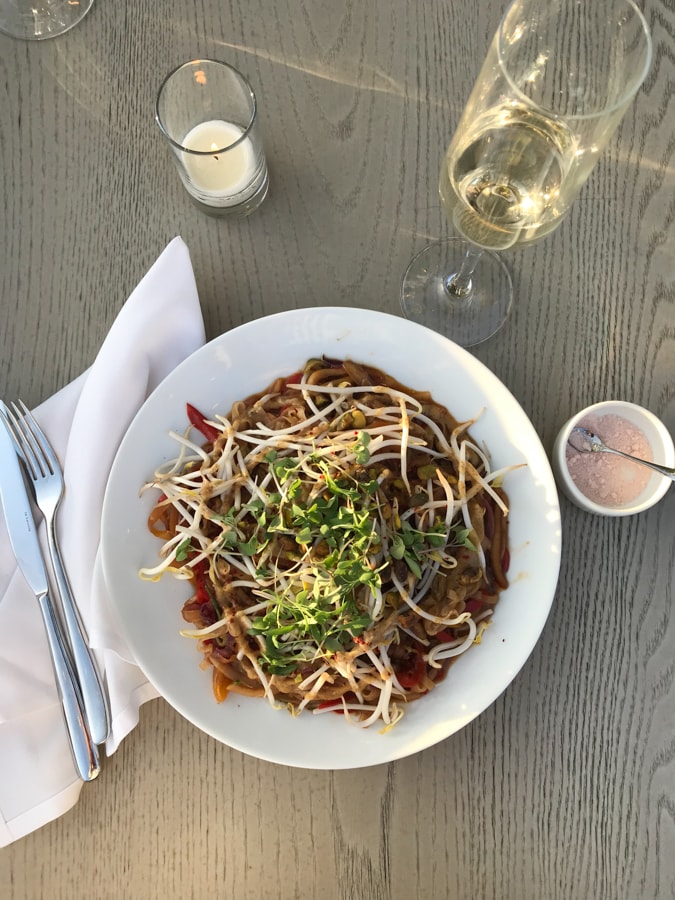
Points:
(557, 79)
(35, 20)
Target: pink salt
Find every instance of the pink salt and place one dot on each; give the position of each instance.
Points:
(605, 478)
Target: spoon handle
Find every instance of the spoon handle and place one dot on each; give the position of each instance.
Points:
(664, 470)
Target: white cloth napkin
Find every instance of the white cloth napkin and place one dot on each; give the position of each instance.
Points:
(159, 326)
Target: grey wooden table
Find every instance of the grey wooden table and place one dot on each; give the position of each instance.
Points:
(565, 787)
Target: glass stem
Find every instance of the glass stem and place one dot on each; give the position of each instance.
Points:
(459, 284)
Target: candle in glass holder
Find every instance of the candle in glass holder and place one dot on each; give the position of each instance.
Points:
(207, 112)
(221, 168)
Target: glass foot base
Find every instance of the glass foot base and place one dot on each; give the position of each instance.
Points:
(467, 320)
(36, 20)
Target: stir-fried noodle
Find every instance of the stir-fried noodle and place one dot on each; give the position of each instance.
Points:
(344, 536)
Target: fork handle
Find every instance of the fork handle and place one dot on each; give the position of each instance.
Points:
(93, 695)
(84, 750)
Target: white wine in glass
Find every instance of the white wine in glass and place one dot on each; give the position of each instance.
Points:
(503, 185)
(554, 86)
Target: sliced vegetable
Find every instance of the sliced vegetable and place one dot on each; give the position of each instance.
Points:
(198, 421)
(411, 674)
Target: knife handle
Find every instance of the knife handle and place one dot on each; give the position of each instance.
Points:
(93, 697)
(84, 750)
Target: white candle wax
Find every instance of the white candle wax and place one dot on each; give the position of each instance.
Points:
(220, 175)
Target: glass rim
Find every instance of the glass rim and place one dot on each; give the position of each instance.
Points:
(630, 91)
(217, 62)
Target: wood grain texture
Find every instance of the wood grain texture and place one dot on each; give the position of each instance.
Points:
(564, 789)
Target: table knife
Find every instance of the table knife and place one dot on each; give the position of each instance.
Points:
(24, 540)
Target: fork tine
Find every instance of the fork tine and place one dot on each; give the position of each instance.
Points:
(22, 442)
(6, 416)
(40, 447)
(20, 445)
(41, 438)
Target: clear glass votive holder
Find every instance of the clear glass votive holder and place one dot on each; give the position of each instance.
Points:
(207, 112)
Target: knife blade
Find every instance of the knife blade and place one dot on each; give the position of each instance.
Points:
(26, 546)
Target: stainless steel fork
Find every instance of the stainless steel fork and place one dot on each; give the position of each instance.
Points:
(46, 479)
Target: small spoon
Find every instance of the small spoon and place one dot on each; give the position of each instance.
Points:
(588, 442)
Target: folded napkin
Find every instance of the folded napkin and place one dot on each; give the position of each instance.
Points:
(159, 326)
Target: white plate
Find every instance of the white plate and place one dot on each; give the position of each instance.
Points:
(244, 361)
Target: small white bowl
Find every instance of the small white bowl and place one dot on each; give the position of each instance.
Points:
(659, 439)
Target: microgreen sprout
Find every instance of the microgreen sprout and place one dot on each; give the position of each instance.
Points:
(411, 545)
(183, 550)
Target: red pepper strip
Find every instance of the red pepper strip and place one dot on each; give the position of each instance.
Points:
(445, 636)
(202, 593)
(473, 606)
(327, 704)
(200, 574)
(411, 676)
(199, 421)
(204, 597)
